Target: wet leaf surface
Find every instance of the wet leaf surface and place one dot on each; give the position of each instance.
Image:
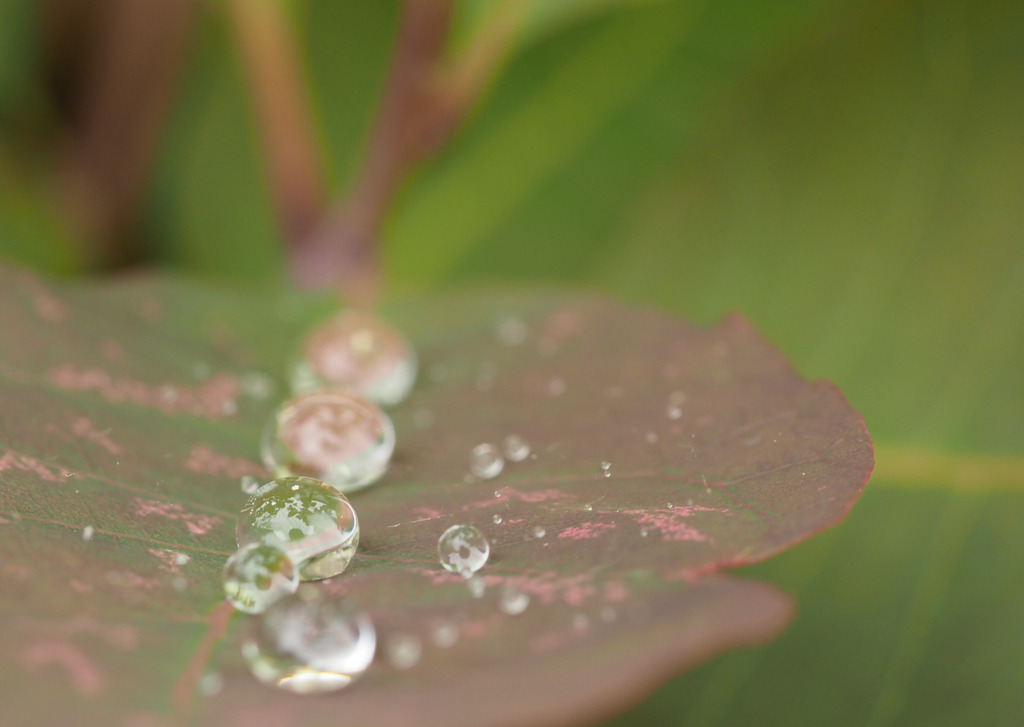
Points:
(134, 408)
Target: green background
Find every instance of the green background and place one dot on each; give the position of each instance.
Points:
(848, 175)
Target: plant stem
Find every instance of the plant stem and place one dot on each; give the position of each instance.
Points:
(281, 102)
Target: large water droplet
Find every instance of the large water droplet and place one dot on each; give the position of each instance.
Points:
(310, 645)
(359, 353)
(513, 601)
(341, 439)
(463, 549)
(516, 448)
(403, 650)
(485, 461)
(257, 575)
(309, 520)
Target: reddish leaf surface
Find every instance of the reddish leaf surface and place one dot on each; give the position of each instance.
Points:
(134, 407)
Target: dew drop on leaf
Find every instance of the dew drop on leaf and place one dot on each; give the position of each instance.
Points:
(463, 549)
(310, 644)
(485, 461)
(516, 448)
(513, 601)
(257, 575)
(339, 438)
(403, 650)
(359, 353)
(313, 523)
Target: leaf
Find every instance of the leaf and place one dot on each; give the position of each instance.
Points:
(125, 410)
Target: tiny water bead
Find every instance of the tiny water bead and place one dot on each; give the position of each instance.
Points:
(359, 353)
(496, 519)
(309, 644)
(308, 519)
(539, 532)
(87, 532)
(257, 575)
(339, 438)
(516, 448)
(403, 650)
(606, 469)
(485, 461)
(512, 601)
(463, 549)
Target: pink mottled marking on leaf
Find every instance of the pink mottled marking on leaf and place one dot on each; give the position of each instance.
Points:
(86, 677)
(112, 350)
(11, 460)
(213, 398)
(81, 587)
(17, 570)
(536, 496)
(196, 523)
(84, 428)
(48, 306)
(168, 560)
(586, 531)
(614, 591)
(547, 642)
(203, 460)
(670, 523)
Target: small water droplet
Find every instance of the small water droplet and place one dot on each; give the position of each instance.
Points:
(403, 650)
(588, 507)
(643, 532)
(512, 601)
(444, 634)
(310, 645)
(606, 469)
(181, 559)
(539, 532)
(689, 503)
(580, 621)
(516, 448)
(211, 684)
(257, 575)
(496, 519)
(512, 330)
(463, 549)
(674, 412)
(486, 461)
(249, 484)
(87, 532)
(669, 505)
(652, 437)
(168, 393)
(256, 385)
(497, 493)
(557, 387)
(477, 587)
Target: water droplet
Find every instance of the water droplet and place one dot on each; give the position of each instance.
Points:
(309, 520)
(606, 469)
(357, 352)
(512, 601)
(486, 461)
(463, 549)
(211, 684)
(310, 645)
(257, 575)
(516, 448)
(512, 330)
(181, 559)
(87, 532)
(643, 532)
(249, 484)
(539, 532)
(168, 393)
(403, 650)
(689, 503)
(496, 519)
(652, 437)
(339, 438)
(669, 505)
(229, 408)
(580, 621)
(444, 634)
(674, 412)
(477, 586)
(608, 614)
(256, 385)
(588, 507)
(557, 387)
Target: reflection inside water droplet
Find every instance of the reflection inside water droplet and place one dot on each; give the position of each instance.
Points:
(257, 575)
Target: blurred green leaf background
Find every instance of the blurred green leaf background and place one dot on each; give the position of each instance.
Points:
(848, 175)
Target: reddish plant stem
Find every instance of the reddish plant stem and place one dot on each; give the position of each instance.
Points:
(341, 250)
(133, 60)
(275, 77)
